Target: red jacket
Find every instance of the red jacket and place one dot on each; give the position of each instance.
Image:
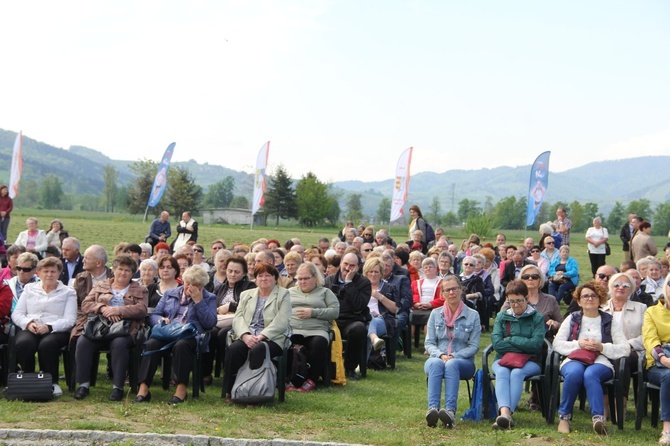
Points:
(6, 203)
(437, 301)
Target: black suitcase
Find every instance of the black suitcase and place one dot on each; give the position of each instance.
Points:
(29, 386)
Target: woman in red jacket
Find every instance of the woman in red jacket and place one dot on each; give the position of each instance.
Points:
(6, 206)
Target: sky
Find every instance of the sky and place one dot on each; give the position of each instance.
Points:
(341, 88)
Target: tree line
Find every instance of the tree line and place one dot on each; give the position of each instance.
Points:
(312, 202)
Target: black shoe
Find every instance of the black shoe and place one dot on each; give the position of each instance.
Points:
(81, 393)
(352, 375)
(143, 399)
(116, 395)
(176, 400)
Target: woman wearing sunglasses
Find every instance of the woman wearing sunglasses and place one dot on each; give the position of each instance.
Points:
(630, 316)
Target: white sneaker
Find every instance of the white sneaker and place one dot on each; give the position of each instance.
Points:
(665, 439)
(57, 390)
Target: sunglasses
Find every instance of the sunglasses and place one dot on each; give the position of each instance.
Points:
(367, 250)
(198, 250)
(25, 270)
(469, 264)
(603, 276)
(534, 250)
(530, 276)
(548, 243)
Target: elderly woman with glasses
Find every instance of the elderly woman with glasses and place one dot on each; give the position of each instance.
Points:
(452, 341)
(536, 255)
(563, 275)
(518, 329)
(314, 307)
(630, 316)
(590, 339)
(653, 283)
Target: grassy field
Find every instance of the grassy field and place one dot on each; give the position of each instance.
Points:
(386, 408)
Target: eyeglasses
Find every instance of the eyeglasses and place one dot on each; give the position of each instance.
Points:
(25, 270)
(534, 250)
(367, 250)
(621, 285)
(198, 250)
(548, 243)
(602, 276)
(589, 297)
(516, 302)
(530, 276)
(468, 264)
(450, 290)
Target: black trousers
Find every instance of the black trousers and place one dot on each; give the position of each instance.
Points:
(597, 260)
(47, 348)
(118, 353)
(183, 353)
(317, 351)
(355, 333)
(236, 356)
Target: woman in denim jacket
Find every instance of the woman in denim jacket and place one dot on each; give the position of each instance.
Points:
(452, 342)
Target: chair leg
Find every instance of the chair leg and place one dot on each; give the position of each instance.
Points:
(654, 395)
(363, 361)
(407, 341)
(281, 375)
(391, 350)
(640, 406)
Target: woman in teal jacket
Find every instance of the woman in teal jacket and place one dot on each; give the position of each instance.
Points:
(519, 329)
(563, 275)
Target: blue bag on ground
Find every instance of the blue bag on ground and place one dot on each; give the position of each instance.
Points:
(474, 413)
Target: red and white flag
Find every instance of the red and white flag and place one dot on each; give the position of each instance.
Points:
(17, 166)
(401, 187)
(259, 181)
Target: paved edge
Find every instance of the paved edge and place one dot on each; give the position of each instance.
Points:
(85, 437)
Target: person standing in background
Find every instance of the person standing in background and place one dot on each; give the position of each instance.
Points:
(597, 237)
(626, 234)
(6, 206)
(563, 225)
(187, 231)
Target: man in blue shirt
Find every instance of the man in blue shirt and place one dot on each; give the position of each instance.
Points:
(160, 230)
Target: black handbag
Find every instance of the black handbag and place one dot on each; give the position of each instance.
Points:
(29, 387)
(99, 328)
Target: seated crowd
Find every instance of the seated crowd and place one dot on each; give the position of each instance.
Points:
(247, 301)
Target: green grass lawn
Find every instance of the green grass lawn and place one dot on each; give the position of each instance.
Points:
(387, 407)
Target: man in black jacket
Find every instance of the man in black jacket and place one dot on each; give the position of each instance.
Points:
(353, 292)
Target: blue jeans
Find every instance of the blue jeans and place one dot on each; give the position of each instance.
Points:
(509, 383)
(661, 377)
(378, 327)
(592, 377)
(451, 372)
